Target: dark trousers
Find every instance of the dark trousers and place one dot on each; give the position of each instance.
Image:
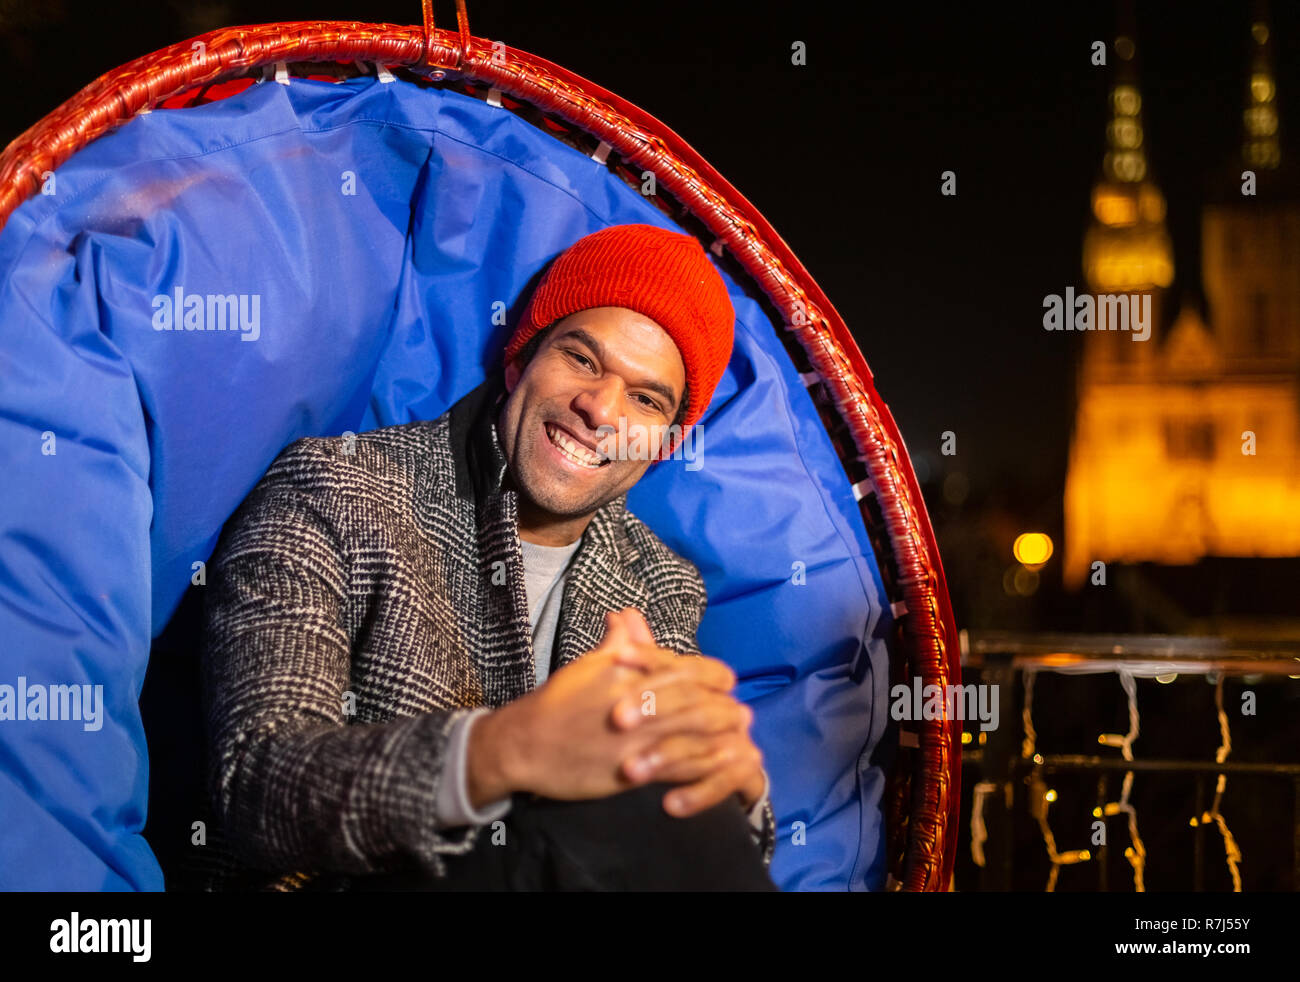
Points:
(624, 842)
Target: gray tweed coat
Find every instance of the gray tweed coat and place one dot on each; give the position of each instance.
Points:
(367, 593)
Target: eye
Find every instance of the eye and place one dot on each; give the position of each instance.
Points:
(647, 401)
(581, 359)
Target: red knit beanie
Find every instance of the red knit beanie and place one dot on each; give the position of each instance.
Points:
(662, 274)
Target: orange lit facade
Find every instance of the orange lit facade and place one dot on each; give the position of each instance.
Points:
(1188, 444)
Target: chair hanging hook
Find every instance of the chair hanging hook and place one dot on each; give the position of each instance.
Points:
(462, 24)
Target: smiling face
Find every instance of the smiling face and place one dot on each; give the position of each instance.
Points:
(597, 371)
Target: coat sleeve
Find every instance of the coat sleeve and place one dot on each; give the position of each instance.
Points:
(296, 784)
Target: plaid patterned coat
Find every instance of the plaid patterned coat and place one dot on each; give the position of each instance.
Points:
(367, 593)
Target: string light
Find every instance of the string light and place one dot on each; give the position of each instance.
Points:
(1027, 717)
(1040, 795)
(979, 832)
(1136, 853)
(1041, 798)
(1231, 852)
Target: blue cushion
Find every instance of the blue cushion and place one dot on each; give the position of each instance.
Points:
(381, 240)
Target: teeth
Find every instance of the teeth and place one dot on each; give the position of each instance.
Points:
(578, 454)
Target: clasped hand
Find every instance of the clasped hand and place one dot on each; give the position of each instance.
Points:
(629, 712)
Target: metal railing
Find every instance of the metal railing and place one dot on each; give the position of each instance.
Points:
(1011, 770)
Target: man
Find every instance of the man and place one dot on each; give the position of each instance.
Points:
(455, 627)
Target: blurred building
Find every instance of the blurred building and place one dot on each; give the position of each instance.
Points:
(1187, 445)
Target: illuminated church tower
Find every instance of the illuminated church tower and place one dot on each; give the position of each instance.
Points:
(1188, 445)
(1126, 249)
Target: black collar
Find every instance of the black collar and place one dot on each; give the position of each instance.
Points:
(480, 462)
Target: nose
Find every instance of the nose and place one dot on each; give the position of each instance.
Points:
(599, 402)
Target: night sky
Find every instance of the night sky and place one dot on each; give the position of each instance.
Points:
(844, 157)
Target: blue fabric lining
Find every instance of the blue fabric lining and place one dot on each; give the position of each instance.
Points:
(391, 235)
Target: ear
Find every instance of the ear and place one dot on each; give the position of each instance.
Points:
(513, 374)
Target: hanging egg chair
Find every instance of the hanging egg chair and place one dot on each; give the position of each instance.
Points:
(371, 204)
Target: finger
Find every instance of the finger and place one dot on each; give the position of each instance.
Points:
(626, 626)
(685, 757)
(637, 628)
(716, 787)
(709, 672)
(617, 633)
(638, 697)
(659, 694)
(645, 657)
(711, 713)
(668, 692)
